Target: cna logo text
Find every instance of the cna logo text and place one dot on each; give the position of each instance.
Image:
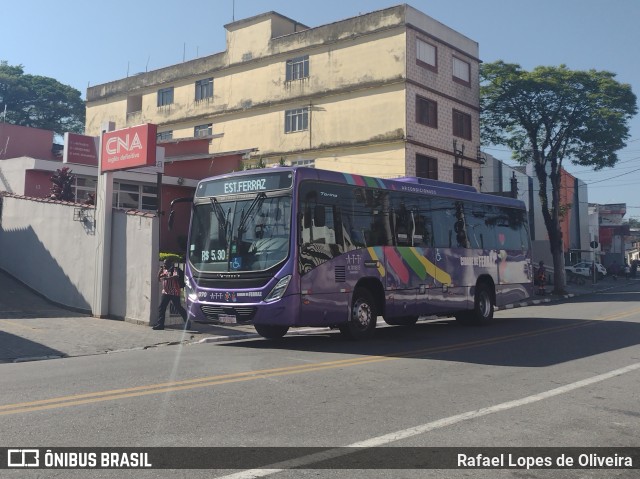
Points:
(115, 145)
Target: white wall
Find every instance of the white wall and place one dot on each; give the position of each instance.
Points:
(48, 247)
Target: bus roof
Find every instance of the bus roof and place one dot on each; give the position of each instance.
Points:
(409, 184)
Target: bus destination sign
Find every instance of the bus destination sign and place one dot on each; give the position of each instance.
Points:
(245, 184)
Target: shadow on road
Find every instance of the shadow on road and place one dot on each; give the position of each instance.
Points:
(530, 342)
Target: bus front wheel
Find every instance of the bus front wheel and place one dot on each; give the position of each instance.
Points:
(482, 312)
(271, 332)
(363, 317)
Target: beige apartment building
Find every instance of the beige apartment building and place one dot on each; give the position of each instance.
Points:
(388, 93)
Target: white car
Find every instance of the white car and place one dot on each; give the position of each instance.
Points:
(584, 269)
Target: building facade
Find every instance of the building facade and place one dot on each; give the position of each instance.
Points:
(37, 158)
(388, 93)
(520, 182)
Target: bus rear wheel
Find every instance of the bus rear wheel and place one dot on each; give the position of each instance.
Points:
(363, 317)
(271, 332)
(482, 312)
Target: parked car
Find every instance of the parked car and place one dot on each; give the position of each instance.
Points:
(584, 269)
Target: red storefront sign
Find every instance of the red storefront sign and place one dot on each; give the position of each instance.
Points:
(80, 149)
(129, 148)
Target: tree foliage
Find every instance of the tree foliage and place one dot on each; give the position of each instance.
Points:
(62, 187)
(39, 102)
(552, 114)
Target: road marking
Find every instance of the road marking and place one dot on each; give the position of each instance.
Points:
(174, 386)
(379, 441)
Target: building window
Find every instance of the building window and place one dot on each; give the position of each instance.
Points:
(426, 167)
(165, 96)
(426, 55)
(203, 130)
(461, 125)
(462, 175)
(426, 112)
(125, 195)
(85, 187)
(149, 198)
(307, 163)
(296, 120)
(461, 71)
(204, 89)
(136, 197)
(164, 135)
(298, 68)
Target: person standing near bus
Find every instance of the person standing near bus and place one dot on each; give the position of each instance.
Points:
(170, 275)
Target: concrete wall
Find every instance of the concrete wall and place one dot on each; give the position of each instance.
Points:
(133, 292)
(48, 246)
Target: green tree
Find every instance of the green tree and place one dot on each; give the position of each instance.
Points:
(551, 114)
(633, 223)
(39, 102)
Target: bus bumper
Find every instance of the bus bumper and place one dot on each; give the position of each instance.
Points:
(283, 312)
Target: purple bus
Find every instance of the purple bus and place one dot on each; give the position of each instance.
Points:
(287, 247)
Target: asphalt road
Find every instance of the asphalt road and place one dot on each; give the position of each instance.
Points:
(555, 375)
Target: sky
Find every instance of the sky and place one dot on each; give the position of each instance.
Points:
(84, 44)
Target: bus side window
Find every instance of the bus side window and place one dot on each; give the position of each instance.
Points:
(318, 225)
(403, 226)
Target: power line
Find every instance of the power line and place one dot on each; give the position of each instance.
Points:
(612, 177)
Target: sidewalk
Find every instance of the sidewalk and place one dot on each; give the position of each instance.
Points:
(33, 329)
(572, 289)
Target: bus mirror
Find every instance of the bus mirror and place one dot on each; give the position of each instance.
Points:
(319, 218)
(171, 220)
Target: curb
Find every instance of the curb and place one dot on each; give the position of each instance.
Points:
(27, 359)
(535, 302)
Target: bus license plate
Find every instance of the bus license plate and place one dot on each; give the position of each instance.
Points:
(227, 319)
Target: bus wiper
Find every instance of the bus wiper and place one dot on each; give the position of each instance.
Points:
(224, 222)
(244, 218)
(219, 212)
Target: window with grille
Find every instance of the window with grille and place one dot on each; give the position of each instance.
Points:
(204, 89)
(426, 112)
(298, 68)
(164, 135)
(165, 96)
(203, 130)
(296, 120)
(307, 163)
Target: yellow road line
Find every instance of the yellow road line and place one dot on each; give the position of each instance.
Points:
(173, 386)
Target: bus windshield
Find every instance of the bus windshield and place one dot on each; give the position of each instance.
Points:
(242, 235)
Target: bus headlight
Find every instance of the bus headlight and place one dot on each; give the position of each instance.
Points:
(191, 293)
(278, 290)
